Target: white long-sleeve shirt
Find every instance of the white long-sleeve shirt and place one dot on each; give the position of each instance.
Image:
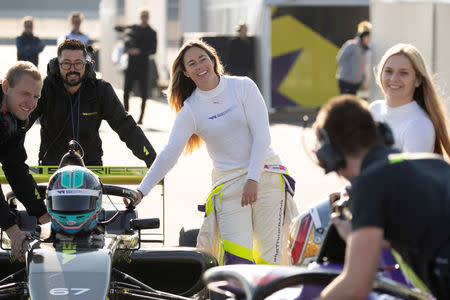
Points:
(412, 128)
(232, 119)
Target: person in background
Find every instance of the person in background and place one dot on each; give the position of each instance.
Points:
(72, 106)
(239, 54)
(352, 60)
(75, 18)
(141, 42)
(28, 45)
(251, 197)
(412, 106)
(19, 94)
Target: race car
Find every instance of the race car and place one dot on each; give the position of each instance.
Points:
(318, 254)
(95, 253)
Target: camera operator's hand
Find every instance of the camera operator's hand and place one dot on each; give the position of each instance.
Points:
(134, 51)
(334, 197)
(343, 227)
(17, 237)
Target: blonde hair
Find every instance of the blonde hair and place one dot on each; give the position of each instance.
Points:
(27, 19)
(364, 26)
(144, 10)
(425, 94)
(76, 14)
(181, 87)
(240, 26)
(16, 72)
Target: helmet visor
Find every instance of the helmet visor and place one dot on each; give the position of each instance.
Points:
(73, 201)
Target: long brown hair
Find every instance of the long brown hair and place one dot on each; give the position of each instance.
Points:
(181, 87)
(425, 94)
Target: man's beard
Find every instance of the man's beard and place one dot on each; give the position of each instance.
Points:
(72, 83)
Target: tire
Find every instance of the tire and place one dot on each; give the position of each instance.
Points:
(217, 296)
(202, 295)
(206, 294)
(188, 237)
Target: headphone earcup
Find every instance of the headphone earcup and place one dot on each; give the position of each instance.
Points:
(53, 67)
(330, 157)
(89, 70)
(9, 123)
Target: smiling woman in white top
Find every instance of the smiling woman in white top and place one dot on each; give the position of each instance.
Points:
(250, 186)
(412, 107)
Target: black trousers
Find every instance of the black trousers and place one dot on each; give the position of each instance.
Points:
(137, 73)
(348, 88)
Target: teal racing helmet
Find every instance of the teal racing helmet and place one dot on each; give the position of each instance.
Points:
(74, 199)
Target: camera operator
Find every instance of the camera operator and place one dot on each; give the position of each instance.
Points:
(141, 42)
(20, 92)
(398, 197)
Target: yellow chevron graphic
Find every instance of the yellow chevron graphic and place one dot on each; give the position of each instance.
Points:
(311, 80)
(146, 151)
(69, 252)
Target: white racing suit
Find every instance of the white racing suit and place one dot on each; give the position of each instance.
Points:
(255, 233)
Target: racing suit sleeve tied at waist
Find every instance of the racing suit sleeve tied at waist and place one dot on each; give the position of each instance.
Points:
(255, 233)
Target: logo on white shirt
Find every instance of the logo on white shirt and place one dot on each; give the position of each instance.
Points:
(221, 114)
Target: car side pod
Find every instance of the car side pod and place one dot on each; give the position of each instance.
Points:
(161, 267)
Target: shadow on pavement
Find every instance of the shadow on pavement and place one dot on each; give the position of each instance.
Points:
(304, 117)
(146, 129)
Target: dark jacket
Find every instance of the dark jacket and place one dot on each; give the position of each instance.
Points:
(12, 158)
(98, 102)
(143, 38)
(29, 47)
(239, 57)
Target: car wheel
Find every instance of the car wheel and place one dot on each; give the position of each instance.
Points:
(188, 237)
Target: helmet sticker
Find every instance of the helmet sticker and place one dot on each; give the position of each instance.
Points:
(73, 192)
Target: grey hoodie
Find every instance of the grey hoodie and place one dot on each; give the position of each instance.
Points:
(351, 61)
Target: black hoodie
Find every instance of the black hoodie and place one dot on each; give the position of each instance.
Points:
(12, 158)
(65, 117)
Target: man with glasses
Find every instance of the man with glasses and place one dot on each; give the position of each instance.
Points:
(72, 106)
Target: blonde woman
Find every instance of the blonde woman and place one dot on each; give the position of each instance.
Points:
(251, 195)
(412, 107)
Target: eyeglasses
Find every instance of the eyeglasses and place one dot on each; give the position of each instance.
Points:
(79, 65)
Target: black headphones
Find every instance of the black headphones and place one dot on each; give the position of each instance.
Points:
(53, 68)
(331, 157)
(11, 124)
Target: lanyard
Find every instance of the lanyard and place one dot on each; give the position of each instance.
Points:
(71, 115)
